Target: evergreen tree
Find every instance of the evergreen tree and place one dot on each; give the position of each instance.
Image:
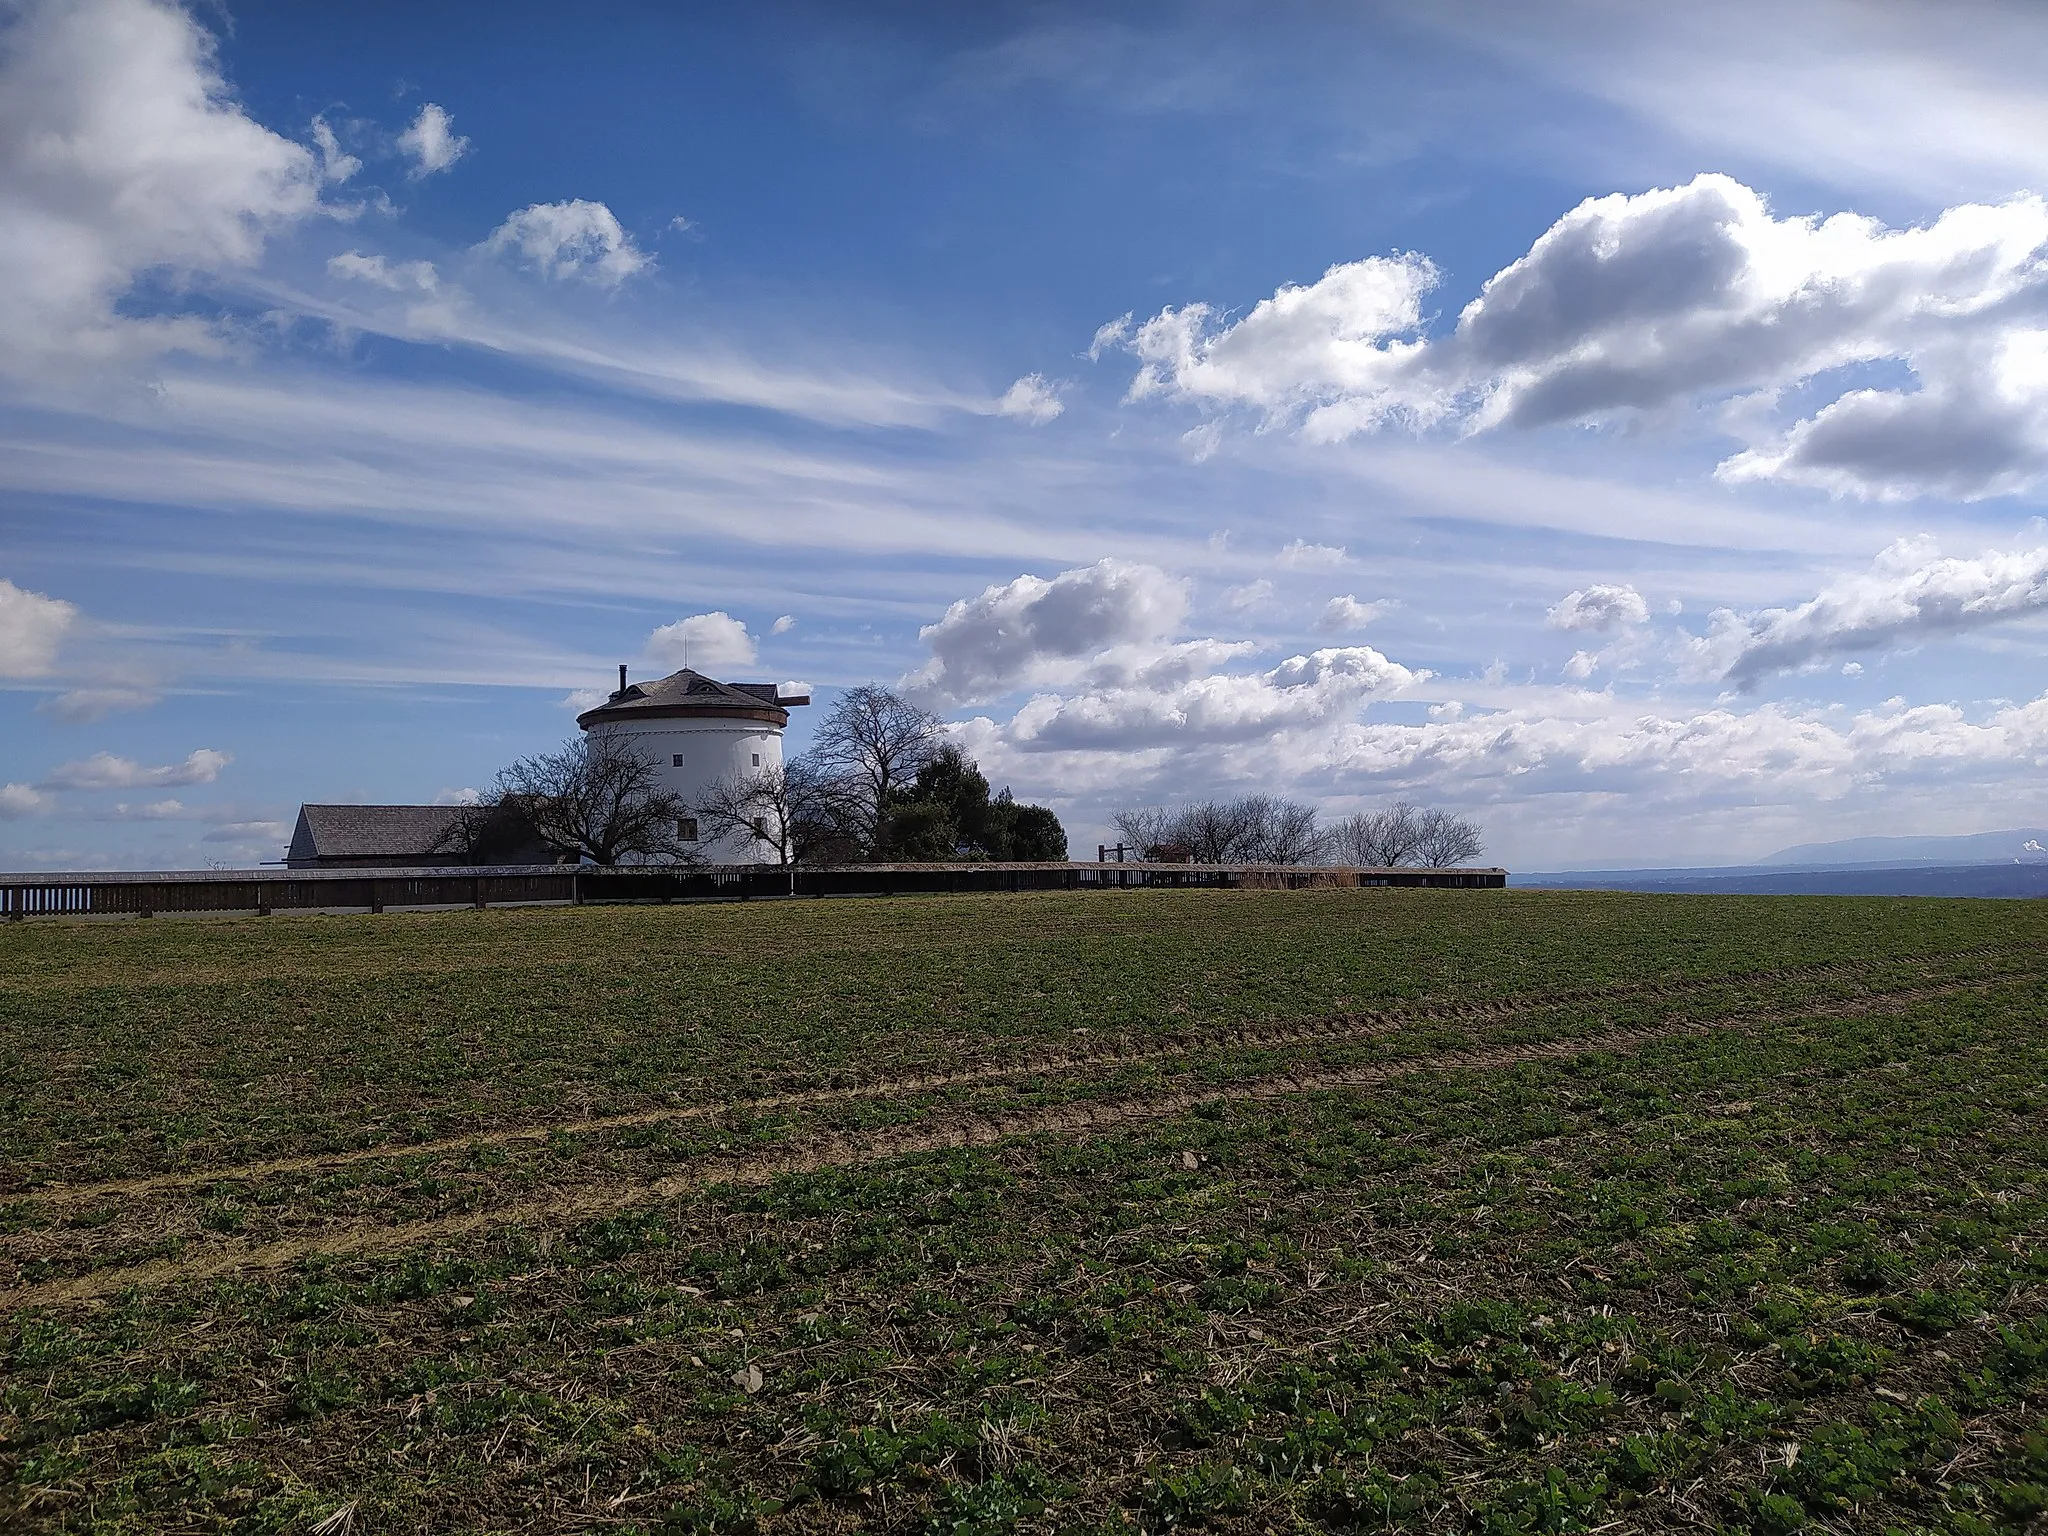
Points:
(946, 812)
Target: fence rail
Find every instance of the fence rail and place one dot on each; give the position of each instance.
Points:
(263, 891)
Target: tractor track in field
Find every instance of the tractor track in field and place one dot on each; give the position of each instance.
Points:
(837, 1149)
(1165, 1046)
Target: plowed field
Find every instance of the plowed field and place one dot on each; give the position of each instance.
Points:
(1413, 1210)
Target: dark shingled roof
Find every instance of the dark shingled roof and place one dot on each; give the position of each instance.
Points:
(687, 693)
(327, 833)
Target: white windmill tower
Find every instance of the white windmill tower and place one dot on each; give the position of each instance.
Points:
(697, 731)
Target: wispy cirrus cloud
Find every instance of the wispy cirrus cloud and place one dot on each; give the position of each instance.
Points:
(83, 706)
(397, 276)
(1928, 102)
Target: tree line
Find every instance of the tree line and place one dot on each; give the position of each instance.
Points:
(880, 782)
(1263, 829)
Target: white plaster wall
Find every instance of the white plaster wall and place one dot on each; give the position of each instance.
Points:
(711, 749)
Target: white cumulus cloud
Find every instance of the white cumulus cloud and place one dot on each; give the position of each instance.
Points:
(574, 240)
(1210, 709)
(704, 642)
(1682, 294)
(1248, 596)
(1717, 755)
(431, 143)
(1588, 749)
(1300, 555)
(1908, 596)
(1347, 612)
(122, 151)
(1600, 606)
(31, 627)
(1331, 344)
(103, 770)
(19, 800)
(1032, 398)
(1031, 629)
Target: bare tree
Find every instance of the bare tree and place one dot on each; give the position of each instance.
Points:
(797, 808)
(1210, 830)
(1406, 834)
(1145, 829)
(1379, 839)
(1252, 829)
(600, 801)
(880, 740)
(1201, 832)
(1278, 831)
(1444, 840)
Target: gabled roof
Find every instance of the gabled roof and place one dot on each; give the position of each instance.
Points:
(687, 693)
(370, 831)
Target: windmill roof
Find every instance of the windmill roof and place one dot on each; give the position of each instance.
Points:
(687, 693)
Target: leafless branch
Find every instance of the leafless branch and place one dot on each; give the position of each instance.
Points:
(599, 800)
(879, 740)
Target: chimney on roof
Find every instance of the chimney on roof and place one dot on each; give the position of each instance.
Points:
(622, 677)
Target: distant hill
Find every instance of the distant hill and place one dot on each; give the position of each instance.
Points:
(2007, 879)
(2013, 863)
(2025, 844)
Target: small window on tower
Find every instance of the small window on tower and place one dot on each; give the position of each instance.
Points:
(675, 760)
(761, 827)
(757, 759)
(686, 829)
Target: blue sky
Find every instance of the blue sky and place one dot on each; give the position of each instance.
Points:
(1627, 427)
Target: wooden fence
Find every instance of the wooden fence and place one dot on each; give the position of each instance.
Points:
(263, 891)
